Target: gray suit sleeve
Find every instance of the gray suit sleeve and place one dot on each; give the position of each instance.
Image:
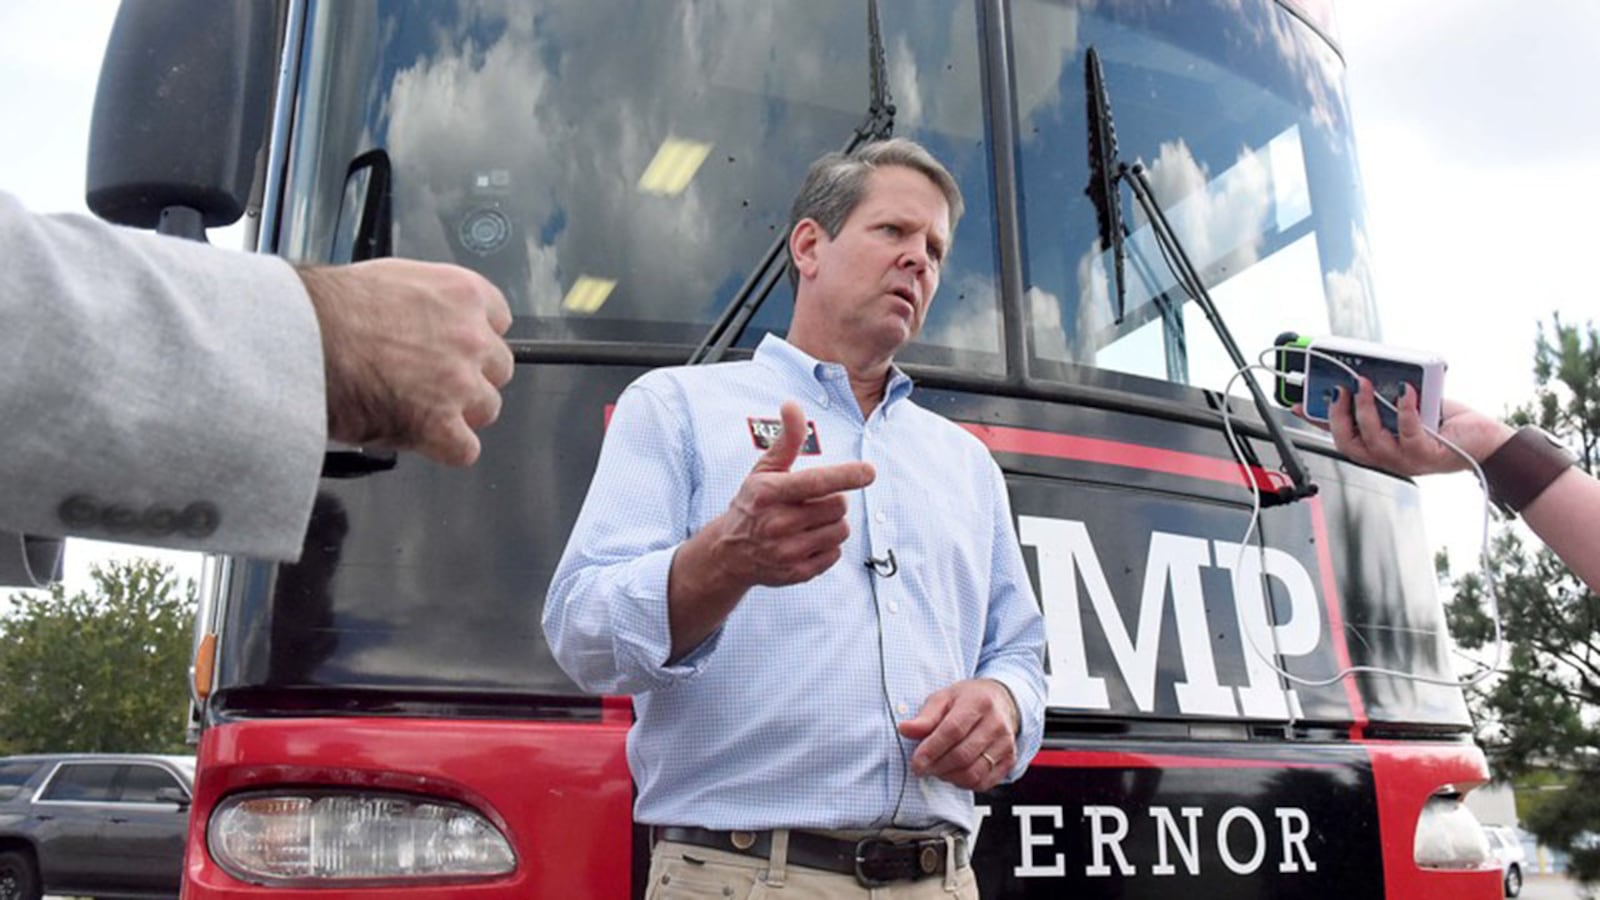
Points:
(155, 391)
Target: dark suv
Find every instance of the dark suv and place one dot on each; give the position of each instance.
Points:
(93, 825)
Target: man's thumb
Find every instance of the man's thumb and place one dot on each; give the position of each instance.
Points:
(781, 454)
(925, 721)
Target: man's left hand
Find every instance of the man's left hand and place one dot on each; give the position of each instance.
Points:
(968, 734)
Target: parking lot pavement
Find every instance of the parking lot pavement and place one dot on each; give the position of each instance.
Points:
(1550, 887)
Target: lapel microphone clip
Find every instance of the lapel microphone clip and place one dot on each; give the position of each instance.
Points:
(884, 567)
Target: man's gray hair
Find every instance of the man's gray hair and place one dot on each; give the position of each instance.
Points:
(836, 183)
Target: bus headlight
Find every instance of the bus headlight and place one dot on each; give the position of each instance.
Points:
(1448, 834)
(324, 839)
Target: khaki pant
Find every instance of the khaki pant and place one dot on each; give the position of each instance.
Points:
(686, 871)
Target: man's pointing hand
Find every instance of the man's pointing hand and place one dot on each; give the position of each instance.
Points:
(785, 527)
(782, 527)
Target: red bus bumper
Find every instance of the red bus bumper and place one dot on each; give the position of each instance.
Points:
(560, 792)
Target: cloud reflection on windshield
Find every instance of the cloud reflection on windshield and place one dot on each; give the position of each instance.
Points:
(571, 100)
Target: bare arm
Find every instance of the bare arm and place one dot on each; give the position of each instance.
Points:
(1566, 516)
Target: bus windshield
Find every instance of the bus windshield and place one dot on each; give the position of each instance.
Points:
(1245, 137)
(621, 178)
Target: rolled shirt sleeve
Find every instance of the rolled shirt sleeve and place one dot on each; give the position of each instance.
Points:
(606, 614)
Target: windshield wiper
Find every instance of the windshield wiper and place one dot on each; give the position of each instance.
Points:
(1113, 230)
(877, 126)
(1102, 190)
(1107, 173)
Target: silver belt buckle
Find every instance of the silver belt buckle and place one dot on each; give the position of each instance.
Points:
(865, 880)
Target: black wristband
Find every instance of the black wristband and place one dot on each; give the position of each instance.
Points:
(1520, 470)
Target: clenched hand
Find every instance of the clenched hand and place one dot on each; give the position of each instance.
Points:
(413, 354)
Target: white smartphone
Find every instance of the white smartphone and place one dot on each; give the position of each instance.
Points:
(1388, 368)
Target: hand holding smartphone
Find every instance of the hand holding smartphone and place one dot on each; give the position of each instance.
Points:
(1388, 368)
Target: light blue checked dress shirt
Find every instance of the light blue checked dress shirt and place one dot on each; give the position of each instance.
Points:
(785, 717)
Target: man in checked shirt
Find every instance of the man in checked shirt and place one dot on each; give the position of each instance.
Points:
(823, 617)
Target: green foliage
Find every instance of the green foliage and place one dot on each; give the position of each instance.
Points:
(100, 672)
(1570, 819)
(1541, 716)
(1566, 368)
(1533, 789)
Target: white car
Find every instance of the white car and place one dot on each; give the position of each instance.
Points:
(1506, 848)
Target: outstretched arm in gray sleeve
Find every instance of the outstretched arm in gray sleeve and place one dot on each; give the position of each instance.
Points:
(163, 392)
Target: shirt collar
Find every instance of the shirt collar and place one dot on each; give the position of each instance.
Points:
(786, 358)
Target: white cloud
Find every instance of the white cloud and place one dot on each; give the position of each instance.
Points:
(1350, 301)
(1220, 221)
(1044, 311)
(1042, 48)
(971, 319)
(1094, 313)
(903, 78)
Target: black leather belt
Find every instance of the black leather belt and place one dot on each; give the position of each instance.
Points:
(874, 861)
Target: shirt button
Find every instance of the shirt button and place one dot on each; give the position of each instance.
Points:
(894, 607)
(902, 709)
(880, 517)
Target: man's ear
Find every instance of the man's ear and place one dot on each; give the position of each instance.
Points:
(804, 240)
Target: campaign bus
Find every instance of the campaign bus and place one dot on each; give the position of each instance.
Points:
(1239, 705)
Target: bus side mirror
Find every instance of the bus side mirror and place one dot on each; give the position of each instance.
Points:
(29, 562)
(180, 113)
(365, 228)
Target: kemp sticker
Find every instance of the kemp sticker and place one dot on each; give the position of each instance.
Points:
(764, 431)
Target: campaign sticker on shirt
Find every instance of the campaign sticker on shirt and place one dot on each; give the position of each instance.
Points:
(764, 431)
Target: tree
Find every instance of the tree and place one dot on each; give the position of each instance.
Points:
(1543, 714)
(100, 672)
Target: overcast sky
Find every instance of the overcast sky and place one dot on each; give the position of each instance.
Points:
(1478, 132)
